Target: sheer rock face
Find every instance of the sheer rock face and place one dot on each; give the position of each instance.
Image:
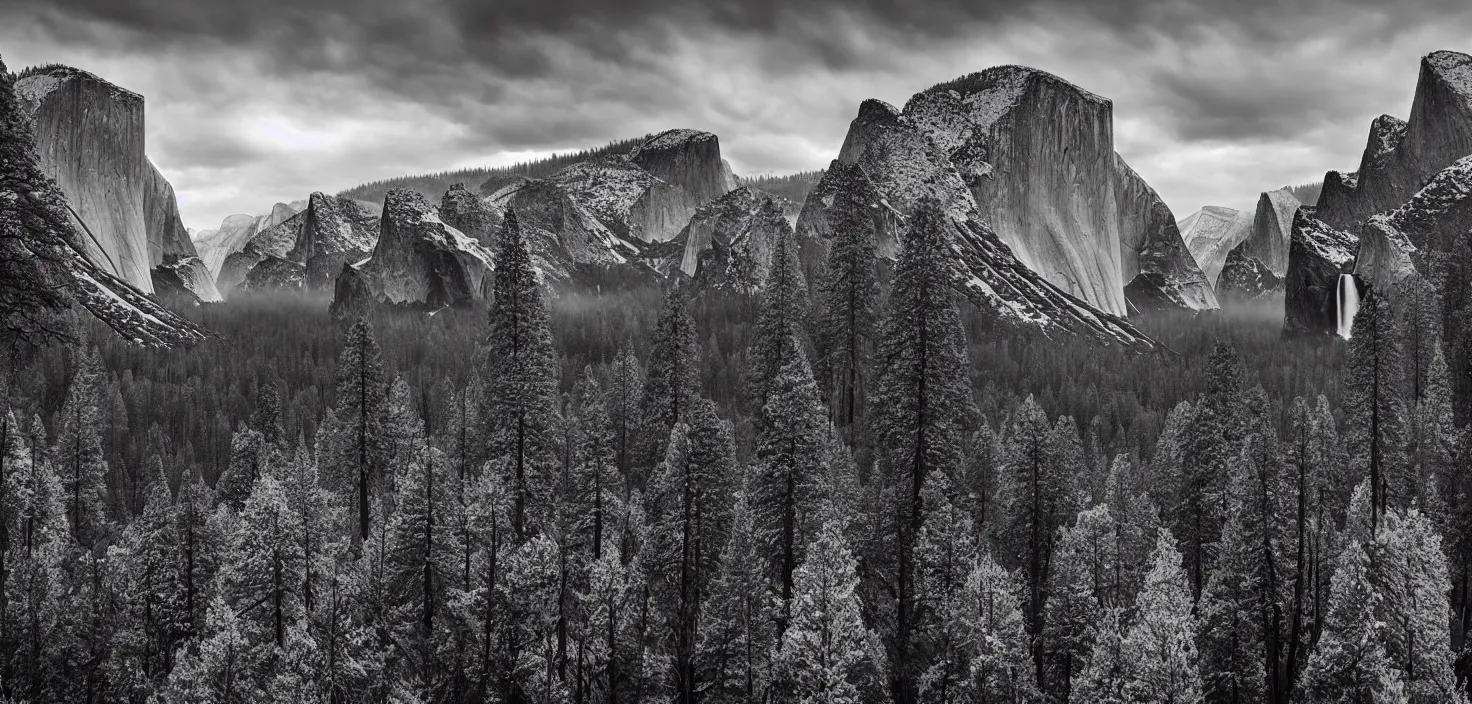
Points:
(236, 231)
(1211, 233)
(170, 252)
(470, 214)
(1038, 156)
(690, 160)
(419, 260)
(1395, 244)
(1400, 157)
(730, 241)
(1317, 255)
(562, 233)
(334, 231)
(1255, 268)
(89, 139)
(890, 164)
(1154, 258)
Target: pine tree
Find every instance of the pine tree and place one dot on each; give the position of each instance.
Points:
(790, 464)
(944, 557)
(79, 452)
(521, 380)
(920, 417)
(530, 594)
(1160, 650)
(423, 556)
(361, 404)
(250, 457)
(1083, 585)
(214, 667)
(1210, 438)
(605, 602)
(1039, 463)
(739, 633)
(1373, 412)
(598, 488)
(1001, 669)
(153, 611)
(1104, 677)
(1349, 663)
(847, 311)
(781, 323)
(670, 384)
(827, 654)
(689, 503)
(34, 230)
(267, 569)
(1408, 568)
(1432, 438)
(625, 384)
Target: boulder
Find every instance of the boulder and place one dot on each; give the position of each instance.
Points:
(1401, 156)
(1317, 255)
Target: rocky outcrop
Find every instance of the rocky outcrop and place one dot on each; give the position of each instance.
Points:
(1400, 157)
(275, 242)
(562, 234)
(184, 280)
(329, 232)
(236, 231)
(1246, 278)
(419, 260)
(729, 242)
(890, 165)
(630, 201)
(688, 159)
(1255, 268)
(275, 274)
(1213, 232)
(1154, 259)
(333, 231)
(1037, 154)
(1317, 255)
(1395, 245)
(89, 139)
(470, 214)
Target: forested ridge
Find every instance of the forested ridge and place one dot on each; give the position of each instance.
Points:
(852, 488)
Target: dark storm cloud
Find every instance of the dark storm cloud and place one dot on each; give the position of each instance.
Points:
(1209, 95)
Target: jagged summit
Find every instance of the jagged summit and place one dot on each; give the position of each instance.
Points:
(729, 241)
(418, 260)
(1400, 156)
(1394, 244)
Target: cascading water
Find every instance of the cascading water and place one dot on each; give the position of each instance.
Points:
(1348, 301)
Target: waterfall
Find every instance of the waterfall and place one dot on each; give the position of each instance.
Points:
(1348, 300)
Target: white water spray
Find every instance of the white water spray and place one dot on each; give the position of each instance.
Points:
(1348, 300)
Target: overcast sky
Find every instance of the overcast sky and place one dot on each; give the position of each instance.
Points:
(250, 102)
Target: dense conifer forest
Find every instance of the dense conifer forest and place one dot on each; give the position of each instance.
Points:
(852, 488)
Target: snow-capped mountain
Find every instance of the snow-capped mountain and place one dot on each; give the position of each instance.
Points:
(418, 260)
(1317, 255)
(1400, 155)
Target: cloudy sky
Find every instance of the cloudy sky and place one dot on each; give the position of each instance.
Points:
(256, 101)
